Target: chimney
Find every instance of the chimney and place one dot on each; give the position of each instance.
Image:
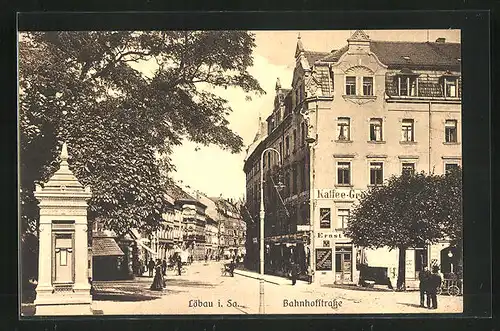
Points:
(441, 40)
(359, 42)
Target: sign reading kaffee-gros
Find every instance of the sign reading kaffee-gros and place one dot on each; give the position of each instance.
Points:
(338, 194)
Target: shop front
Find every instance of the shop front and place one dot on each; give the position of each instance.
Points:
(335, 258)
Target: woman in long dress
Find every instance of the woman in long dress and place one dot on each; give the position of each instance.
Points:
(158, 279)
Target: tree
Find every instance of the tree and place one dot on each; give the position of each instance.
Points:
(120, 123)
(410, 211)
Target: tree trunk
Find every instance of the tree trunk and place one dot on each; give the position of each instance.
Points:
(401, 269)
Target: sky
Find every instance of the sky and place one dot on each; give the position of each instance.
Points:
(216, 172)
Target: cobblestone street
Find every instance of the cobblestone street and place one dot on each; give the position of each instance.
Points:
(203, 290)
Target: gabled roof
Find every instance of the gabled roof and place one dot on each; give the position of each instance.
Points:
(313, 56)
(399, 54)
(178, 193)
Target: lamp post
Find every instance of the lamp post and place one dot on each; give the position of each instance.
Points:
(450, 255)
(262, 215)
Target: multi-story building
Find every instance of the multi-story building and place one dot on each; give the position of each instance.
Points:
(232, 229)
(211, 227)
(355, 116)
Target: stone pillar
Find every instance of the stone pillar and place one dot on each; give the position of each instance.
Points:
(63, 285)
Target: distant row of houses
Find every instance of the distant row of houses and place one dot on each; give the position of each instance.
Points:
(202, 226)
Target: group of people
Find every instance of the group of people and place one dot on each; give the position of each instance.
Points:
(160, 272)
(429, 285)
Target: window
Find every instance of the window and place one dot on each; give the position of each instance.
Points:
(450, 167)
(344, 173)
(63, 257)
(343, 126)
(375, 129)
(294, 179)
(450, 87)
(281, 149)
(407, 86)
(287, 145)
(408, 168)
(343, 217)
(367, 85)
(407, 130)
(350, 85)
(302, 132)
(324, 218)
(269, 159)
(450, 131)
(376, 173)
(294, 139)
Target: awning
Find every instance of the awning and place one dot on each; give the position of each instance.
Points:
(145, 247)
(105, 246)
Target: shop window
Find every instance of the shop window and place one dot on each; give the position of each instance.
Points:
(408, 168)
(407, 130)
(350, 85)
(343, 126)
(344, 173)
(367, 85)
(375, 129)
(450, 130)
(376, 173)
(343, 218)
(325, 218)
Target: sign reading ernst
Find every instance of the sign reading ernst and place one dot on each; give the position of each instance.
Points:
(323, 259)
(338, 194)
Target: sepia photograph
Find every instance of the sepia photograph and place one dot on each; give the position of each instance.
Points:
(218, 172)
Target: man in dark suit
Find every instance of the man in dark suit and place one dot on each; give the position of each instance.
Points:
(295, 272)
(434, 283)
(423, 277)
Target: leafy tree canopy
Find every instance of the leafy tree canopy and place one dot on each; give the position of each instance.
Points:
(121, 124)
(409, 211)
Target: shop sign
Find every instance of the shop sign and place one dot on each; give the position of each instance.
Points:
(331, 235)
(338, 194)
(303, 227)
(324, 259)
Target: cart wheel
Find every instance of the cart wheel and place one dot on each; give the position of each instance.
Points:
(439, 290)
(453, 290)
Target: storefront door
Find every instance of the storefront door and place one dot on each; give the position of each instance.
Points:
(64, 258)
(343, 264)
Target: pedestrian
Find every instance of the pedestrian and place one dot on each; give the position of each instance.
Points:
(309, 274)
(206, 258)
(294, 272)
(433, 284)
(158, 279)
(151, 267)
(232, 266)
(179, 265)
(423, 277)
(164, 267)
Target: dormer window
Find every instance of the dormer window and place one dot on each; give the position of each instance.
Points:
(450, 87)
(407, 83)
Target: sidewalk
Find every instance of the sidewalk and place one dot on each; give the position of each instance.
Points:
(276, 280)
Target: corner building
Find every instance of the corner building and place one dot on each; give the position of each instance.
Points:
(355, 116)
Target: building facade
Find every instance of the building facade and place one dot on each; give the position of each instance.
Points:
(355, 116)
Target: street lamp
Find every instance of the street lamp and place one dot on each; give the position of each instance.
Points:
(450, 255)
(262, 215)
